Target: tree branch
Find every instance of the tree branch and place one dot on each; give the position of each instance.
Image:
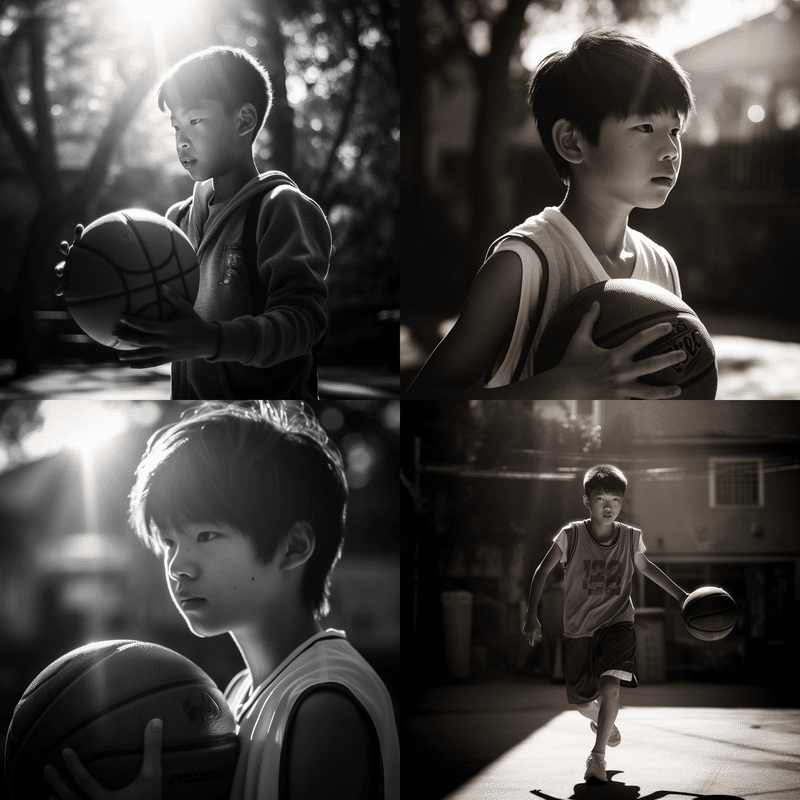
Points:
(121, 115)
(47, 160)
(321, 183)
(23, 143)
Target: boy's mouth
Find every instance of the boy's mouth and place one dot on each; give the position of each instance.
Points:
(664, 181)
(188, 603)
(188, 162)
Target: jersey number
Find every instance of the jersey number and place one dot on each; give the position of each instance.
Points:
(602, 577)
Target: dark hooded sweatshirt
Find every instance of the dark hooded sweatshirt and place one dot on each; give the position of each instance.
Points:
(266, 354)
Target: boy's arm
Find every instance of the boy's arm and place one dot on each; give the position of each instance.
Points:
(650, 570)
(459, 363)
(532, 629)
(293, 258)
(330, 750)
(456, 368)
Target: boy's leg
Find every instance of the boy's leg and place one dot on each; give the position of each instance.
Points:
(609, 708)
(590, 710)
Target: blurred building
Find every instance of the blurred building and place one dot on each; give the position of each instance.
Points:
(747, 80)
(711, 485)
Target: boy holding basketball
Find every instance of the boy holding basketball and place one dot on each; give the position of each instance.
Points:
(610, 114)
(246, 506)
(599, 556)
(262, 245)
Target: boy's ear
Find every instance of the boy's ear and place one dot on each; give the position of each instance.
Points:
(297, 546)
(586, 501)
(568, 141)
(247, 119)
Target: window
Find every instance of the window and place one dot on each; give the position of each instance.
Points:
(736, 482)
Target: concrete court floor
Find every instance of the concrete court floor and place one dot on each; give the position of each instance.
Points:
(112, 381)
(519, 738)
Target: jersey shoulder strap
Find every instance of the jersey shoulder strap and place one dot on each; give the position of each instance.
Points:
(572, 542)
(537, 314)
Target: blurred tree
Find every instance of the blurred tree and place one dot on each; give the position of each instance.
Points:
(485, 35)
(75, 75)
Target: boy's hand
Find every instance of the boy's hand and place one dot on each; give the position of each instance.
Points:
(532, 630)
(60, 268)
(186, 335)
(146, 786)
(589, 371)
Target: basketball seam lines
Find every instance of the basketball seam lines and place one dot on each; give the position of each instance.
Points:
(121, 271)
(639, 321)
(125, 292)
(153, 268)
(112, 650)
(224, 738)
(152, 690)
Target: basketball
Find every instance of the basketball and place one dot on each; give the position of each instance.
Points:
(119, 265)
(709, 613)
(98, 699)
(628, 306)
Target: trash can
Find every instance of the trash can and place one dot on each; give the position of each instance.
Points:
(650, 656)
(457, 624)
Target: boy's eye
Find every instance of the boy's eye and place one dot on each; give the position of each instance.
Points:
(206, 536)
(193, 121)
(647, 126)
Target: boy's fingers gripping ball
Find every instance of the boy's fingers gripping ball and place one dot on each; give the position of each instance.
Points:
(98, 700)
(627, 307)
(709, 613)
(119, 265)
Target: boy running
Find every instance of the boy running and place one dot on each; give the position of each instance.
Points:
(599, 556)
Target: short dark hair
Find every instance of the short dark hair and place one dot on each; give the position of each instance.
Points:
(259, 466)
(607, 73)
(604, 478)
(228, 74)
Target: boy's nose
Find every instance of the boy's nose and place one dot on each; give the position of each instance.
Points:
(180, 567)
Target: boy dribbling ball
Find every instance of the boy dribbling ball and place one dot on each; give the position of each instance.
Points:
(245, 505)
(610, 114)
(599, 556)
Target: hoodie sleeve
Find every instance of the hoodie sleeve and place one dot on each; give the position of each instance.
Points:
(294, 247)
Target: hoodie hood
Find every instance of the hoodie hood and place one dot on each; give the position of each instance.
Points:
(200, 235)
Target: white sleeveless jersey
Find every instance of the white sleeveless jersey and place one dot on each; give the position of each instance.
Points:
(598, 578)
(263, 717)
(572, 266)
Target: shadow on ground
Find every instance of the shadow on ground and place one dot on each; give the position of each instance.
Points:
(614, 790)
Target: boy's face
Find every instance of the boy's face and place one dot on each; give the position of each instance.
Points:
(604, 506)
(216, 566)
(636, 161)
(206, 138)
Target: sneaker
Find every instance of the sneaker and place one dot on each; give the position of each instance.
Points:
(614, 738)
(596, 768)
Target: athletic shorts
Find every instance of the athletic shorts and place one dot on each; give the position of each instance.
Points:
(609, 650)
